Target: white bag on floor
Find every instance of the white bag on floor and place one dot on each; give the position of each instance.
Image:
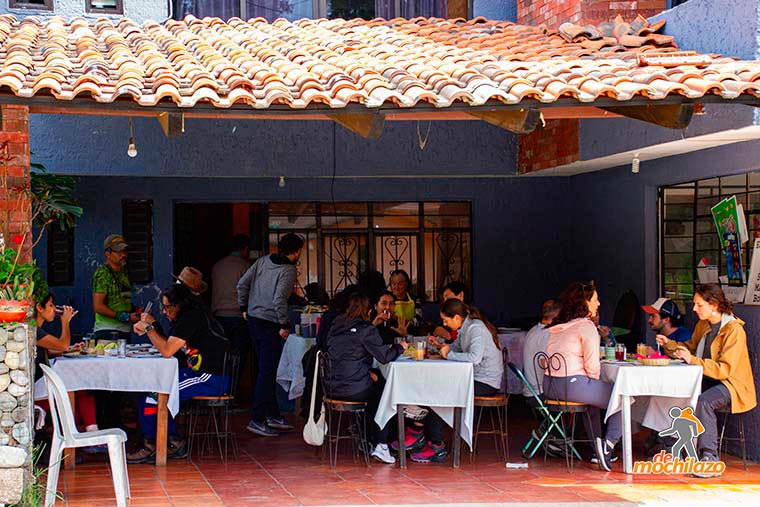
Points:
(314, 432)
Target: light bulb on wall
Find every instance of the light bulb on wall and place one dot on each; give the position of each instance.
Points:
(131, 149)
(635, 163)
(281, 182)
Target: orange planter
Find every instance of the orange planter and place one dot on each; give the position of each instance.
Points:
(13, 311)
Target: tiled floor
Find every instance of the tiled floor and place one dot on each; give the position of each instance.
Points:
(284, 471)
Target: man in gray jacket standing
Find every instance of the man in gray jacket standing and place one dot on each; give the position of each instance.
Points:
(262, 295)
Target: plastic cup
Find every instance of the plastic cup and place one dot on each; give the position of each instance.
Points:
(122, 347)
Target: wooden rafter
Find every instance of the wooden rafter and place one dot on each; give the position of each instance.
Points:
(672, 116)
(367, 125)
(519, 121)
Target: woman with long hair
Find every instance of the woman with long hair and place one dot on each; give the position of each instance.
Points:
(574, 336)
(196, 334)
(352, 343)
(475, 344)
(719, 346)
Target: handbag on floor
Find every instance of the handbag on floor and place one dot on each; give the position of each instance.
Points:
(314, 432)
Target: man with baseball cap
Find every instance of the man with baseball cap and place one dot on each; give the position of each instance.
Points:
(665, 318)
(112, 292)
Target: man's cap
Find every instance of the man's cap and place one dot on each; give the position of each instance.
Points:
(663, 306)
(115, 242)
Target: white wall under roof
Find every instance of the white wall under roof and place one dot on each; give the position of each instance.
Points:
(138, 10)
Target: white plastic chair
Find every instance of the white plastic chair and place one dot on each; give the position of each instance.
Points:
(65, 435)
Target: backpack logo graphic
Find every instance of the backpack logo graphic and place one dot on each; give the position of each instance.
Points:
(685, 427)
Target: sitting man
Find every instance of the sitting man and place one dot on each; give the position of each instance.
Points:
(665, 318)
(535, 342)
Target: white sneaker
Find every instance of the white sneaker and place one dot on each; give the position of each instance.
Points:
(383, 454)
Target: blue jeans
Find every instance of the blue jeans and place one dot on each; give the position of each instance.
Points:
(191, 383)
(267, 345)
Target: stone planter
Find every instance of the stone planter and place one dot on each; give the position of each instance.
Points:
(16, 408)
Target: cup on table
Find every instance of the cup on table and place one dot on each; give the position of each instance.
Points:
(298, 329)
(620, 352)
(121, 345)
(420, 347)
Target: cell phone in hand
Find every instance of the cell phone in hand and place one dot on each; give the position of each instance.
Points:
(148, 307)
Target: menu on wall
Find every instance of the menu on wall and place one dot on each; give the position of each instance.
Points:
(726, 217)
(752, 297)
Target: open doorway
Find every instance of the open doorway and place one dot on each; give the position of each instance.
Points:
(203, 235)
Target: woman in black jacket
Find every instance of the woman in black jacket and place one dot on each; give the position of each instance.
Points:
(352, 343)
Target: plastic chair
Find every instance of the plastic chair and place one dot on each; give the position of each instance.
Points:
(499, 429)
(216, 409)
(65, 435)
(359, 441)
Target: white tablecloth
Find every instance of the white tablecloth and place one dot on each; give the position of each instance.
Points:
(514, 342)
(131, 374)
(438, 384)
(668, 386)
(656, 389)
(290, 370)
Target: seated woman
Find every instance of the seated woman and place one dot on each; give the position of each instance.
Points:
(385, 320)
(49, 345)
(573, 335)
(352, 344)
(202, 340)
(407, 306)
(474, 344)
(719, 346)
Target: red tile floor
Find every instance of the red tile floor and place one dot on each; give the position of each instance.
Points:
(284, 471)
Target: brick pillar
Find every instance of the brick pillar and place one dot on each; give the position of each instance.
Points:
(16, 207)
(457, 9)
(553, 145)
(553, 13)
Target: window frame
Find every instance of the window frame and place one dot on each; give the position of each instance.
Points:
(70, 238)
(48, 5)
(119, 9)
(371, 233)
(125, 205)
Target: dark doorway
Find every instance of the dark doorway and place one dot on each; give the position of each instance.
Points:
(203, 233)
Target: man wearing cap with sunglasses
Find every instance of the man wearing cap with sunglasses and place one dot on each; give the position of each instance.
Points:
(665, 318)
(112, 292)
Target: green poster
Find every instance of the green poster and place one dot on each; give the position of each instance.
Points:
(727, 223)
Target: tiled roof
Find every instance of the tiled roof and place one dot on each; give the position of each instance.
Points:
(336, 62)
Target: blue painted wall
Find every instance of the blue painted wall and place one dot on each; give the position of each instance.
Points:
(495, 9)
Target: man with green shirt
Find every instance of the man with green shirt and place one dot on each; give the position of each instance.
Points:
(112, 292)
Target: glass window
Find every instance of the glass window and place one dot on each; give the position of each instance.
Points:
(345, 239)
(105, 6)
(39, 5)
(350, 9)
(273, 9)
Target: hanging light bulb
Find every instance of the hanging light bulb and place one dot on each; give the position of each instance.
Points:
(281, 182)
(635, 164)
(131, 149)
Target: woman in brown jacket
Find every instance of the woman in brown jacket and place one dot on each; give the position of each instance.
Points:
(719, 345)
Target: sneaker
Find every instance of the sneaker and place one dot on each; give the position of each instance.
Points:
(177, 448)
(144, 455)
(707, 456)
(383, 454)
(431, 453)
(613, 458)
(261, 429)
(279, 423)
(414, 440)
(604, 453)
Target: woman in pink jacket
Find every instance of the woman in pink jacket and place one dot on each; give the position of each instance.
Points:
(576, 338)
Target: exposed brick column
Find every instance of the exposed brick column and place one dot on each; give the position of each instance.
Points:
(457, 9)
(15, 131)
(553, 145)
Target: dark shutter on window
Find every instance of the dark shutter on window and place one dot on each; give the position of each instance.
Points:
(137, 227)
(60, 255)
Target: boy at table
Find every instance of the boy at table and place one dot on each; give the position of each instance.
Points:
(202, 339)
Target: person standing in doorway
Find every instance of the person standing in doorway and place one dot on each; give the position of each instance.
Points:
(225, 276)
(112, 292)
(262, 296)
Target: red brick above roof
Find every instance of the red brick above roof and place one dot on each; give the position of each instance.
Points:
(336, 62)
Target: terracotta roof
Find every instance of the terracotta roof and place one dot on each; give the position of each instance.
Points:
(337, 62)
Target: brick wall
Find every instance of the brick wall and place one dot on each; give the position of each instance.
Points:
(15, 131)
(553, 145)
(553, 13)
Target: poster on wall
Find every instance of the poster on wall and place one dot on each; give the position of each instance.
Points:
(752, 297)
(727, 223)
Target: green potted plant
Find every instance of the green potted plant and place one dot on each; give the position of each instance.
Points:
(49, 200)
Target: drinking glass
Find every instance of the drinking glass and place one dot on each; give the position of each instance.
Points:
(420, 345)
(122, 347)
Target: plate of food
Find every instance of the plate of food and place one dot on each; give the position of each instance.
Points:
(654, 359)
